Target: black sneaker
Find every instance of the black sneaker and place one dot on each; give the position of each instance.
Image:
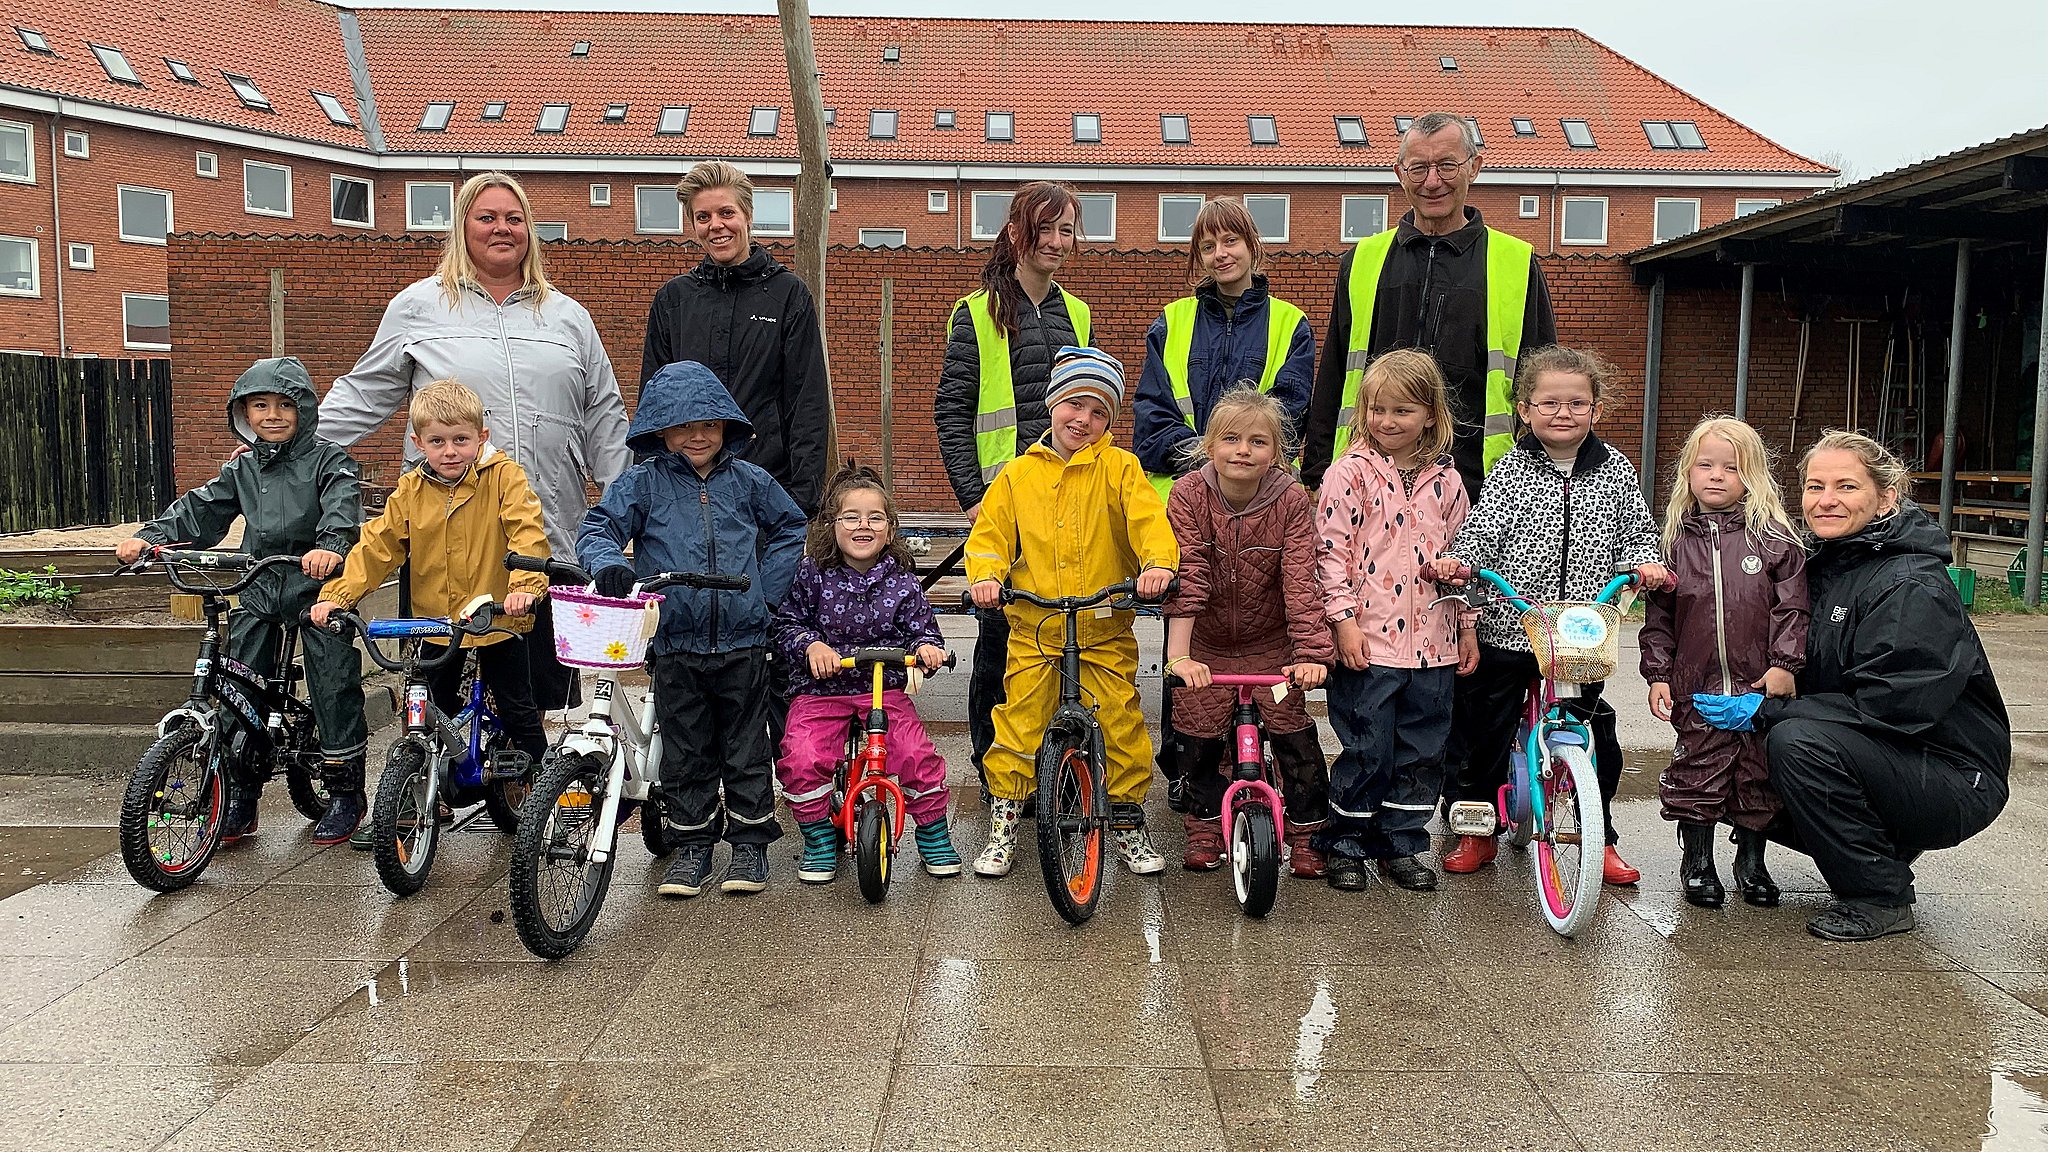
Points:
(1853, 921)
(1346, 873)
(687, 872)
(748, 869)
(1410, 873)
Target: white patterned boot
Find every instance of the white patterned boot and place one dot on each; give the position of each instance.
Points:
(1138, 854)
(995, 859)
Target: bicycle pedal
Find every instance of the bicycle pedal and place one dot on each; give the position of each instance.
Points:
(508, 764)
(1473, 818)
(1124, 816)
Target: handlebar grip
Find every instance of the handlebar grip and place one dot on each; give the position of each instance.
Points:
(1172, 680)
(718, 582)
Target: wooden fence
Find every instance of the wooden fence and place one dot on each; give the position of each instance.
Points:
(83, 441)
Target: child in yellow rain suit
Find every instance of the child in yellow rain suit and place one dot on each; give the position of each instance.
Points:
(1069, 516)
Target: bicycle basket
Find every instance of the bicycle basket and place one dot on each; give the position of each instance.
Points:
(1574, 642)
(593, 631)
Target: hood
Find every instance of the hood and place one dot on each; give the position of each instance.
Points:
(758, 265)
(1697, 521)
(678, 394)
(283, 376)
(1275, 485)
(1909, 531)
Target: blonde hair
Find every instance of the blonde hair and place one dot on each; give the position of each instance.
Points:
(446, 402)
(1216, 217)
(1241, 407)
(1886, 470)
(718, 174)
(458, 269)
(1763, 506)
(1411, 375)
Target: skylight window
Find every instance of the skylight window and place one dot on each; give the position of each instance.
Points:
(1174, 130)
(1472, 122)
(831, 117)
(1659, 134)
(614, 113)
(943, 118)
(34, 41)
(881, 125)
(580, 48)
(1263, 129)
(1401, 124)
(495, 110)
(675, 120)
(336, 114)
(1087, 128)
(1688, 134)
(764, 122)
(1524, 126)
(1447, 63)
(553, 118)
(892, 54)
(180, 71)
(117, 66)
(1351, 131)
(435, 118)
(1000, 126)
(247, 91)
(1577, 134)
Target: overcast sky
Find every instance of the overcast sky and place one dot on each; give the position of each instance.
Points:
(1870, 85)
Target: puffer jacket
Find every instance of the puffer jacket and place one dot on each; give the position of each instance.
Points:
(293, 497)
(1739, 610)
(755, 326)
(1247, 578)
(1555, 536)
(1041, 332)
(550, 399)
(1228, 346)
(735, 520)
(1375, 537)
(883, 607)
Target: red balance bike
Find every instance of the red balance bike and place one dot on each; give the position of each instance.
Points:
(1252, 807)
(867, 803)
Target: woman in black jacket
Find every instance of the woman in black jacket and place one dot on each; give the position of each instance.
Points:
(1898, 742)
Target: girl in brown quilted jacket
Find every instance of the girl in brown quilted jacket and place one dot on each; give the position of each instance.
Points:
(1248, 605)
(1735, 624)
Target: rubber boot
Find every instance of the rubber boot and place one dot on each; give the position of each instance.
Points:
(1303, 861)
(239, 821)
(1001, 850)
(346, 803)
(1696, 866)
(1751, 876)
(820, 860)
(1204, 852)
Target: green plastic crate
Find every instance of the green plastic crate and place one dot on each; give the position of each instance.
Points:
(1965, 580)
(2016, 575)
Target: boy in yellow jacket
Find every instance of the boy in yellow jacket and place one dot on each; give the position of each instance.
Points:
(1071, 515)
(455, 515)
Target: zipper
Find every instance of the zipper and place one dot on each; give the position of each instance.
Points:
(511, 381)
(1564, 554)
(711, 553)
(1720, 610)
(1423, 336)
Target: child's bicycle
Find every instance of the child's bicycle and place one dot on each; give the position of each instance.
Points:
(867, 804)
(238, 727)
(568, 829)
(1552, 795)
(1252, 807)
(440, 759)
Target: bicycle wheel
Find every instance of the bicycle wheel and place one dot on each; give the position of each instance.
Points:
(1254, 857)
(555, 887)
(653, 832)
(171, 813)
(1071, 814)
(303, 783)
(1571, 841)
(403, 831)
(502, 798)
(872, 848)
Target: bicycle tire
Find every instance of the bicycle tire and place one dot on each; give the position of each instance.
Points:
(141, 803)
(548, 830)
(871, 849)
(1569, 848)
(1071, 816)
(502, 798)
(402, 836)
(1254, 858)
(303, 784)
(653, 831)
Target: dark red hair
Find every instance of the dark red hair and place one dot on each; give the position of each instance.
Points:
(1035, 205)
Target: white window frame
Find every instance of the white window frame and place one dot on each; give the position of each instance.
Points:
(369, 200)
(251, 209)
(974, 231)
(1565, 213)
(936, 201)
(895, 123)
(600, 195)
(540, 224)
(121, 224)
(1093, 118)
(71, 250)
(1757, 203)
(1656, 210)
(84, 149)
(1286, 215)
(1530, 207)
(902, 235)
(761, 194)
(1081, 216)
(28, 151)
(35, 266)
(832, 200)
(1346, 236)
(412, 225)
(1199, 200)
(141, 347)
(1009, 135)
(640, 191)
(206, 165)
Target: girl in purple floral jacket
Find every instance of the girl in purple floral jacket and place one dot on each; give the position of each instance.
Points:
(857, 588)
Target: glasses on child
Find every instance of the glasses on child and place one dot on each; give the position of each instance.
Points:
(1553, 407)
(859, 520)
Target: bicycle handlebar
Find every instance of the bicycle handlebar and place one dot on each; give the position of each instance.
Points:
(1473, 590)
(562, 572)
(901, 656)
(171, 558)
(1125, 591)
(483, 619)
(1225, 680)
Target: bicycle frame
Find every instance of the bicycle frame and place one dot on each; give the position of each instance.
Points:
(631, 749)
(1251, 776)
(871, 767)
(257, 703)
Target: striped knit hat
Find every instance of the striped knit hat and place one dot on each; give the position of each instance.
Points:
(1089, 371)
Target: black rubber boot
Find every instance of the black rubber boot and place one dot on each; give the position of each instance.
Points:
(346, 803)
(1750, 874)
(239, 822)
(1696, 867)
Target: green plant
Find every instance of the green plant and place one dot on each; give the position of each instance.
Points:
(22, 589)
(1994, 599)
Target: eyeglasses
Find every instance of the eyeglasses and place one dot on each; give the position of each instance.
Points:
(1419, 171)
(857, 520)
(1553, 407)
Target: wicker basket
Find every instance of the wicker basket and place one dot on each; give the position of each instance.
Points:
(593, 631)
(1574, 642)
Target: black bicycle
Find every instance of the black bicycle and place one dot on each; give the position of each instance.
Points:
(238, 729)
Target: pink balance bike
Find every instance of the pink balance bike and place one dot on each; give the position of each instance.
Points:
(1252, 807)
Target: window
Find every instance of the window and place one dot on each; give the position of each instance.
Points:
(988, 212)
(117, 66)
(1531, 207)
(1087, 128)
(1585, 220)
(656, 209)
(1364, 216)
(1659, 134)
(1263, 129)
(1401, 124)
(831, 117)
(1173, 130)
(435, 118)
(614, 113)
(884, 237)
(935, 200)
(207, 165)
(77, 145)
(266, 188)
(20, 267)
(350, 200)
(34, 41)
(145, 214)
(17, 154)
(1270, 214)
(494, 110)
(675, 120)
(775, 212)
(999, 126)
(1447, 63)
(831, 199)
(1351, 131)
(1524, 126)
(180, 71)
(1674, 218)
(1177, 217)
(247, 92)
(1098, 215)
(146, 322)
(944, 118)
(892, 54)
(1688, 134)
(600, 195)
(1673, 134)
(1577, 134)
(580, 49)
(429, 207)
(336, 114)
(549, 230)
(553, 118)
(79, 256)
(881, 125)
(764, 122)
(1478, 137)
(1745, 207)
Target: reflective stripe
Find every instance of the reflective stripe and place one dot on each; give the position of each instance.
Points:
(688, 827)
(1384, 804)
(995, 420)
(739, 819)
(1348, 812)
(1356, 360)
(995, 416)
(1500, 424)
(813, 794)
(1282, 320)
(1499, 361)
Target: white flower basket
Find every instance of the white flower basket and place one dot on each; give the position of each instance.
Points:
(593, 631)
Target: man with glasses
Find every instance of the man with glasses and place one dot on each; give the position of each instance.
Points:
(1441, 281)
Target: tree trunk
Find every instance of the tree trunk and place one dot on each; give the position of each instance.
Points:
(814, 179)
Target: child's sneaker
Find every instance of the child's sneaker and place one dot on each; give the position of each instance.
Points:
(748, 869)
(995, 859)
(820, 860)
(687, 872)
(1138, 854)
(1204, 852)
(935, 848)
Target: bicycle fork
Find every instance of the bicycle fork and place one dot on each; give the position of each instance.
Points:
(1251, 784)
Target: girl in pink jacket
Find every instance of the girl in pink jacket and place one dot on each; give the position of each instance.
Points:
(1389, 506)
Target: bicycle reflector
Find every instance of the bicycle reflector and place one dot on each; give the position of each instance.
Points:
(1473, 818)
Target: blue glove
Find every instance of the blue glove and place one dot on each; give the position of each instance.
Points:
(1728, 713)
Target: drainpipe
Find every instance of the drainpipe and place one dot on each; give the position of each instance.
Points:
(958, 207)
(57, 223)
(2037, 511)
(1742, 342)
(1556, 191)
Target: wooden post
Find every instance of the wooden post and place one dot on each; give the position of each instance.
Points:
(814, 178)
(888, 382)
(277, 311)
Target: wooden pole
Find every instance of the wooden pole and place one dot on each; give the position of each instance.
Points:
(814, 176)
(277, 311)
(888, 382)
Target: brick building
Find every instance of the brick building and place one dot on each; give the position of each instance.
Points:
(296, 117)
